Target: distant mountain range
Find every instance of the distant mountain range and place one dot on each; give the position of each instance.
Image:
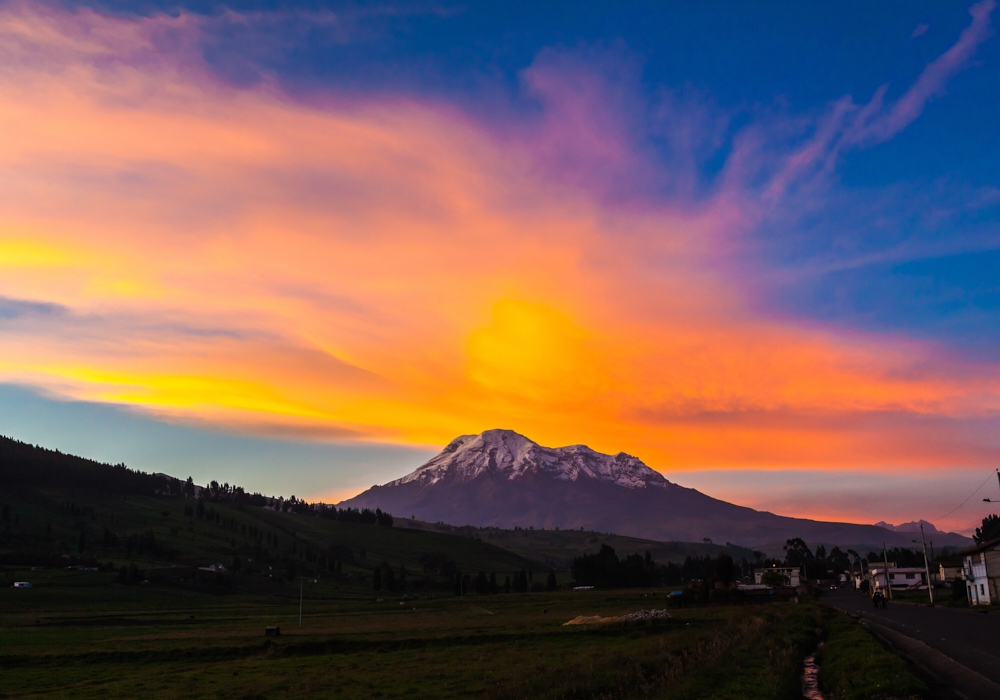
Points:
(502, 479)
(913, 526)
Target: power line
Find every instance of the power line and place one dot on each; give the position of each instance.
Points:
(973, 527)
(967, 499)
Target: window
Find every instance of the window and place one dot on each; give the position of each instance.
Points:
(909, 576)
(982, 589)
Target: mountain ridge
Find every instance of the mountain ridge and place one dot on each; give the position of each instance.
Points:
(500, 478)
(912, 526)
(518, 455)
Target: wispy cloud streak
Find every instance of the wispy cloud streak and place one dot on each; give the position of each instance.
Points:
(375, 267)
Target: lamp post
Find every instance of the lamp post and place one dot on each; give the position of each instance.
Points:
(987, 500)
(885, 558)
(927, 565)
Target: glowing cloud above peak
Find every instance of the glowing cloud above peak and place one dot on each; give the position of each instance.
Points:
(380, 267)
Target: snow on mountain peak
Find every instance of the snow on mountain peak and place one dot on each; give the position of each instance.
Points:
(913, 526)
(508, 455)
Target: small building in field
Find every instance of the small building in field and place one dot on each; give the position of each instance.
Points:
(981, 571)
(792, 575)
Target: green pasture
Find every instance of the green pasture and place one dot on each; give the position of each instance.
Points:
(78, 635)
(82, 635)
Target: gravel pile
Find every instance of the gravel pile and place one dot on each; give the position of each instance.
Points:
(631, 617)
(645, 615)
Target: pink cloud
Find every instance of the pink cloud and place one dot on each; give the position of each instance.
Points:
(393, 269)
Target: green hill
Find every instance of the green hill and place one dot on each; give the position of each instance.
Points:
(60, 510)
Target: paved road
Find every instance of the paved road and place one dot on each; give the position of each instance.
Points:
(967, 638)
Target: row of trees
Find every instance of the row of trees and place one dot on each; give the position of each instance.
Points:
(224, 493)
(22, 464)
(353, 515)
(990, 529)
(606, 570)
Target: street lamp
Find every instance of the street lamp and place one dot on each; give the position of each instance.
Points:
(927, 565)
(987, 500)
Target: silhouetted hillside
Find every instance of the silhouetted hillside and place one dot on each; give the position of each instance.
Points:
(25, 465)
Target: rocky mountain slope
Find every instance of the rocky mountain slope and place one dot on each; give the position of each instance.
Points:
(502, 479)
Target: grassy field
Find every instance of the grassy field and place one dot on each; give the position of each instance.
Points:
(80, 634)
(854, 666)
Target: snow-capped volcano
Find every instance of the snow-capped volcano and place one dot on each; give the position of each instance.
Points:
(507, 455)
(502, 479)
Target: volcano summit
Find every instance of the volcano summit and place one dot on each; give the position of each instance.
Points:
(502, 479)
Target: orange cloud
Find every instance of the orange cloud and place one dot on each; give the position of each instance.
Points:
(388, 269)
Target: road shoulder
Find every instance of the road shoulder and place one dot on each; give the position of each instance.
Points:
(965, 682)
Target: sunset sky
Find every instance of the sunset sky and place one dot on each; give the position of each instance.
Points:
(755, 245)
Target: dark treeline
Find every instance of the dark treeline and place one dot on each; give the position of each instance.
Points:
(353, 515)
(819, 564)
(606, 570)
(224, 493)
(22, 464)
(901, 556)
(25, 465)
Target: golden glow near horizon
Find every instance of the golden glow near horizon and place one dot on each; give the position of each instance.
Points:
(389, 270)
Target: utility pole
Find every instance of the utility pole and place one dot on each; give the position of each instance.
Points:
(927, 565)
(301, 586)
(885, 558)
(990, 500)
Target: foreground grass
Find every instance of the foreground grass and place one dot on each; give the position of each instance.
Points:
(88, 639)
(855, 666)
(81, 636)
(766, 662)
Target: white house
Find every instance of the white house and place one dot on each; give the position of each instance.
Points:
(791, 574)
(981, 571)
(900, 578)
(949, 571)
